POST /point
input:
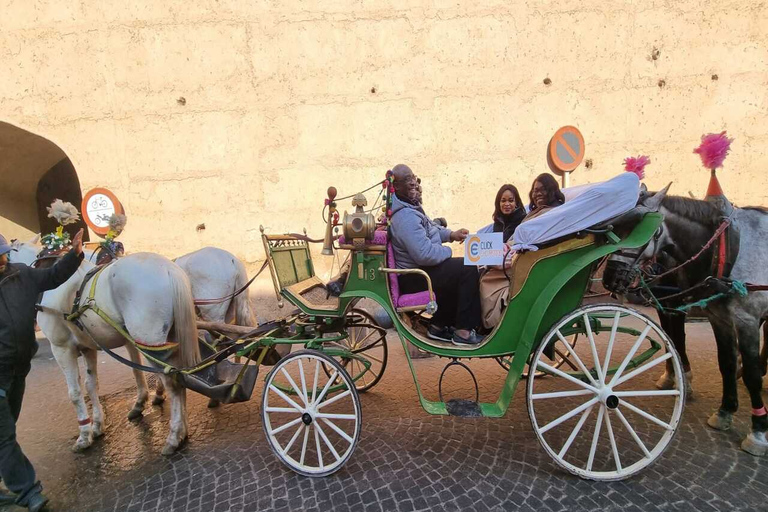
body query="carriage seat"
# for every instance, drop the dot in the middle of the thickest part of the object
(411, 301)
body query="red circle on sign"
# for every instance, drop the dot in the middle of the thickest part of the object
(102, 229)
(566, 149)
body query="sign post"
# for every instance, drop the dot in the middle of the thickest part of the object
(98, 206)
(566, 151)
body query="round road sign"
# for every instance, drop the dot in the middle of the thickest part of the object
(566, 149)
(98, 206)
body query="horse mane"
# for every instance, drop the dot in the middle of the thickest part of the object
(761, 209)
(695, 209)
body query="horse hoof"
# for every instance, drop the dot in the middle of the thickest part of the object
(135, 414)
(98, 429)
(81, 445)
(158, 400)
(666, 381)
(755, 444)
(169, 450)
(719, 421)
(212, 403)
(689, 385)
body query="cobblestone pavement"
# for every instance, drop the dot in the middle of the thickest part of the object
(406, 459)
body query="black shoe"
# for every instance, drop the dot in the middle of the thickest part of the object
(472, 339)
(440, 333)
(37, 502)
(6, 498)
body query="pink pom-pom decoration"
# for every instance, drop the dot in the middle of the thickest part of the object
(713, 149)
(636, 165)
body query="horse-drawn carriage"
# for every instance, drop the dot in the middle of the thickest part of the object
(592, 405)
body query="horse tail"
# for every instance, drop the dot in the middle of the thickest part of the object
(184, 318)
(244, 314)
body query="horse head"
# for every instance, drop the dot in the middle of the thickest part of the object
(24, 252)
(623, 267)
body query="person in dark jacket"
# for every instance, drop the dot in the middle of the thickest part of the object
(508, 211)
(417, 242)
(20, 286)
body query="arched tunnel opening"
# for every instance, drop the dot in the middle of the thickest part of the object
(33, 172)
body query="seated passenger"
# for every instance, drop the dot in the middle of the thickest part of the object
(494, 284)
(545, 194)
(508, 211)
(417, 242)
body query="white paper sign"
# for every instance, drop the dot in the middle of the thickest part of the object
(484, 249)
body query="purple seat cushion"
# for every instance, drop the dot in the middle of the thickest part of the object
(379, 238)
(409, 299)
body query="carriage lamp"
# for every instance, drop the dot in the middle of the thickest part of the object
(328, 240)
(359, 226)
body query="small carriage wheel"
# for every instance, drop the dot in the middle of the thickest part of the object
(562, 358)
(312, 421)
(370, 344)
(606, 421)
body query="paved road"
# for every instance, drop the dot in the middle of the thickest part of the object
(406, 460)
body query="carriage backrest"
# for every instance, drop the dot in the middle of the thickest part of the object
(290, 259)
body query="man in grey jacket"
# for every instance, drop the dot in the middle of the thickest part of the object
(19, 288)
(417, 242)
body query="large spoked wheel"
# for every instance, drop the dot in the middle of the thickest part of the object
(606, 420)
(367, 340)
(312, 421)
(560, 360)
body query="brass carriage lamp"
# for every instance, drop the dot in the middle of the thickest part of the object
(360, 225)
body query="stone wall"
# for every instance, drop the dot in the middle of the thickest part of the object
(235, 113)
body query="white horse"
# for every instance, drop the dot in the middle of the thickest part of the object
(216, 273)
(147, 294)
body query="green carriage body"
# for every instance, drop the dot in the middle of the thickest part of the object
(546, 285)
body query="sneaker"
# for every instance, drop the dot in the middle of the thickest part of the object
(472, 339)
(37, 502)
(440, 333)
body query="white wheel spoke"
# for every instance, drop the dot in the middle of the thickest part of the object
(304, 446)
(581, 365)
(303, 382)
(293, 385)
(567, 416)
(653, 392)
(286, 397)
(631, 354)
(336, 416)
(609, 427)
(327, 387)
(562, 394)
(327, 441)
(550, 369)
(595, 437)
(284, 409)
(317, 447)
(334, 399)
(314, 386)
(609, 350)
(338, 430)
(284, 427)
(645, 415)
(638, 371)
(593, 348)
(633, 433)
(293, 439)
(575, 432)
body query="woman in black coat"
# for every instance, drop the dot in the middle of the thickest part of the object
(508, 211)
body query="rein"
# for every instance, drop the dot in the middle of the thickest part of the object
(719, 231)
(208, 302)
